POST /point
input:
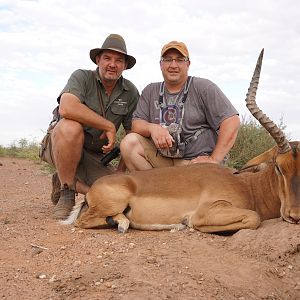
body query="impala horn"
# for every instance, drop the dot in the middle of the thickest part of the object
(276, 133)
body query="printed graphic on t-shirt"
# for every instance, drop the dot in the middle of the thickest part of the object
(170, 114)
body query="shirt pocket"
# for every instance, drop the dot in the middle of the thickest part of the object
(119, 107)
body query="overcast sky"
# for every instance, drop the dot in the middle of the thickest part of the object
(44, 41)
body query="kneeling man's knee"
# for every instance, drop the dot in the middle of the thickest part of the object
(129, 142)
(68, 130)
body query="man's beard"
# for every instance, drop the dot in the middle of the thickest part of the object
(110, 77)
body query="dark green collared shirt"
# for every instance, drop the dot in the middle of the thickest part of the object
(119, 106)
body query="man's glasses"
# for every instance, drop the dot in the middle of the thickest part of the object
(178, 60)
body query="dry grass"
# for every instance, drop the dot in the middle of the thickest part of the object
(251, 141)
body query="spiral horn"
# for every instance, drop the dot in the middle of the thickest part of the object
(276, 133)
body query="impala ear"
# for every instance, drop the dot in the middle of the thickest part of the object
(260, 159)
(253, 168)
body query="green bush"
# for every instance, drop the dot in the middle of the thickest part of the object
(21, 149)
(251, 141)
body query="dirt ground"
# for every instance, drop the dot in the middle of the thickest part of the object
(41, 259)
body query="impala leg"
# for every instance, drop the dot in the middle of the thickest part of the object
(90, 219)
(224, 217)
(107, 197)
(98, 216)
(122, 221)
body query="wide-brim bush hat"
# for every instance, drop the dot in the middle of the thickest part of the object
(116, 43)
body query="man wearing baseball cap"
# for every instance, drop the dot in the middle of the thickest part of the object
(92, 106)
(181, 120)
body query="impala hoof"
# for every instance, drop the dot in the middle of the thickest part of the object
(186, 221)
(123, 226)
(121, 230)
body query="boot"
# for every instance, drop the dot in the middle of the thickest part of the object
(65, 203)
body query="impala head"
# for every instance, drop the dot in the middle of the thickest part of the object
(287, 166)
(286, 158)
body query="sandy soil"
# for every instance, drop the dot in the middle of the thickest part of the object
(41, 259)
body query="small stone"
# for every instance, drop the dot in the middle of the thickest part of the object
(77, 263)
(36, 251)
(281, 274)
(151, 260)
(82, 288)
(108, 284)
(41, 276)
(131, 245)
(53, 279)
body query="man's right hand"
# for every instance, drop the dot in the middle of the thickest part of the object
(160, 136)
(110, 134)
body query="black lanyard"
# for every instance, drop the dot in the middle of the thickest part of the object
(185, 91)
(102, 109)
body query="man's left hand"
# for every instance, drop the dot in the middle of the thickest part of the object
(204, 159)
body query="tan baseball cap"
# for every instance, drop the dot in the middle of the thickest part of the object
(181, 47)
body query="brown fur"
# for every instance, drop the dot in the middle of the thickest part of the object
(207, 197)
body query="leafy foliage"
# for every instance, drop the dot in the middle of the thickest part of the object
(21, 149)
(251, 141)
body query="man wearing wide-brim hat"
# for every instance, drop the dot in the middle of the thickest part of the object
(92, 106)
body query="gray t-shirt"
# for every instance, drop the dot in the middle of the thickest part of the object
(206, 107)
